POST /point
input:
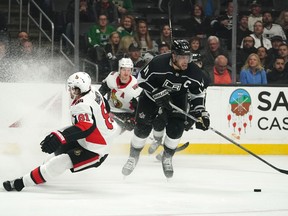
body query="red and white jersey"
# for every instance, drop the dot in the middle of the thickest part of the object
(89, 113)
(121, 94)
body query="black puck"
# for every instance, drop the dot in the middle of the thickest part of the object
(257, 190)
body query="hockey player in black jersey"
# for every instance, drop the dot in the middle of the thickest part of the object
(168, 78)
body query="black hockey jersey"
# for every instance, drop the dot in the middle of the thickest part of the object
(159, 73)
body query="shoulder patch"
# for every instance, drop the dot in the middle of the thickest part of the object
(79, 101)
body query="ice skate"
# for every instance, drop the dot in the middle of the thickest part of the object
(132, 161)
(16, 184)
(159, 156)
(129, 166)
(155, 145)
(167, 162)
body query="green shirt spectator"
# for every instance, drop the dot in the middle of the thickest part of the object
(98, 35)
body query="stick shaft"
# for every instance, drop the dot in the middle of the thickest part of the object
(230, 140)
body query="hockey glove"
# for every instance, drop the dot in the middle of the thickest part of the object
(162, 98)
(188, 124)
(203, 117)
(52, 142)
(130, 124)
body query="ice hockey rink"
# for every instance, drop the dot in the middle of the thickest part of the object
(202, 185)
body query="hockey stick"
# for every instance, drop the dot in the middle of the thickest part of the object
(232, 141)
(180, 148)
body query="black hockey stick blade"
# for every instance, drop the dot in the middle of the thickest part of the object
(182, 147)
(230, 140)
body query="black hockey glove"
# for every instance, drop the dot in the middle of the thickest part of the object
(130, 124)
(162, 98)
(203, 117)
(188, 124)
(52, 142)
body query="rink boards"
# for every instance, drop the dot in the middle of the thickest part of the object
(255, 117)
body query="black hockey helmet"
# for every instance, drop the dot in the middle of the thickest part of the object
(180, 47)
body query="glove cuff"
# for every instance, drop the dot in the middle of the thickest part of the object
(160, 93)
(60, 137)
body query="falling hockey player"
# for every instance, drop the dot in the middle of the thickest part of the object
(168, 78)
(78, 147)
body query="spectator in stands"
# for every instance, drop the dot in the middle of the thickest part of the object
(165, 35)
(98, 35)
(278, 75)
(276, 41)
(123, 6)
(106, 7)
(283, 52)
(163, 48)
(127, 26)
(211, 52)
(282, 20)
(23, 36)
(264, 58)
(111, 50)
(195, 44)
(211, 8)
(253, 72)
(125, 42)
(220, 73)
(177, 7)
(198, 25)
(242, 29)
(259, 38)
(243, 53)
(86, 14)
(3, 22)
(271, 29)
(142, 37)
(135, 56)
(222, 26)
(256, 15)
(27, 48)
(16, 45)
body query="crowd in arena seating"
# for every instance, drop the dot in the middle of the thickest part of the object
(121, 28)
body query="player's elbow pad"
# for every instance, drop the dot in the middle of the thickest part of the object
(74, 133)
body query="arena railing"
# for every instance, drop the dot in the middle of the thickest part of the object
(39, 24)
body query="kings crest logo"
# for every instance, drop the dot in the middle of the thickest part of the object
(239, 113)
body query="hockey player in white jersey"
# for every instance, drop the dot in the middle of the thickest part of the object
(83, 145)
(122, 93)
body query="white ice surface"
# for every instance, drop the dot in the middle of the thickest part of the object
(202, 185)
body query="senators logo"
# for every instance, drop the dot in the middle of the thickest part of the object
(117, 103)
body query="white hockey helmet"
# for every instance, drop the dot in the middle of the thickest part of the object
(126, 63)
(79, 80)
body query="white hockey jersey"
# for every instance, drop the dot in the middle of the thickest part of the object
(89, 113)
(121, 94)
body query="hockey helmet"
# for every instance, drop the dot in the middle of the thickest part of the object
(79, 80)
(125, 63)
(180, 47)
